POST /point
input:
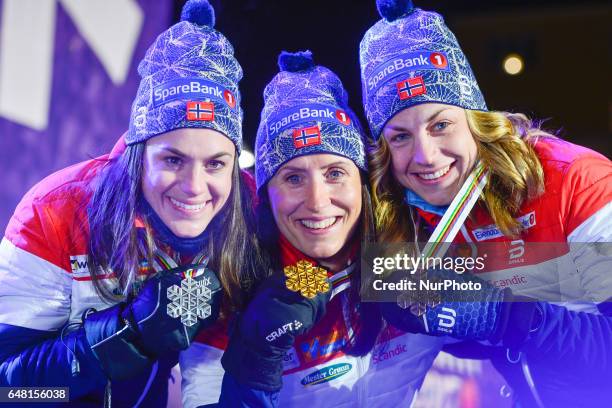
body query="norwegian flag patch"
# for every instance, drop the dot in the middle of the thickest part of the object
(308, 136)
(410, 87)
(200, 111)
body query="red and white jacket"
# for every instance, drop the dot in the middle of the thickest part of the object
(563, 257)
(549, 261)
(45, 282)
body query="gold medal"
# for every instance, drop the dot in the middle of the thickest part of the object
(306, 278)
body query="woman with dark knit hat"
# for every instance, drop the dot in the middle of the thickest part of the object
(306, 330)
(446, 169)
(110, 267)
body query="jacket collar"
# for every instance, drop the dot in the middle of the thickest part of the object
(415, 200)
(290, 255)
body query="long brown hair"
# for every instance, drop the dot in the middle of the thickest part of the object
(113, 242)
(505, 147)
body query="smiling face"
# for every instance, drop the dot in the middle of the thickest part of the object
(316, 203)
(432, 150)
(187, 177)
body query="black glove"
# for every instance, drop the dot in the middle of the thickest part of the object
(266, 331)
(127, 337)
(488, 313)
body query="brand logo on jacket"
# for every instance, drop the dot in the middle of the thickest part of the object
(290, 360)
(326, 374)
(317, 349)
(492, 232)
(385, 354)
(516, 252)
(281, 331)
(79, 266)
(446, 319)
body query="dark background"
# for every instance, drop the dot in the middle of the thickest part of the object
(566, 46)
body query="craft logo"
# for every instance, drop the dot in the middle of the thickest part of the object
(411, 87)
(201, 111)
(407, 63)
(326, 374)
(79, 266)
(308, 136)
(491, 231)
(281, 331)
(188, 88)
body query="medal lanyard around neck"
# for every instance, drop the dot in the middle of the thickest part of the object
(164, 262)
(457, 212)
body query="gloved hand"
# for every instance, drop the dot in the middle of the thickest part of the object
(127, 336)
(488, 313)
(266, 331)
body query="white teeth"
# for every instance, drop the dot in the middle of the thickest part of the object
(195, 207)
(431, 176)
(318, 224)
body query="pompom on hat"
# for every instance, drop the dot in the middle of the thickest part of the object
(305, 112)
(410, 57)
(189, 80)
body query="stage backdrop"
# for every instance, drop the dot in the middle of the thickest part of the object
(67, 80)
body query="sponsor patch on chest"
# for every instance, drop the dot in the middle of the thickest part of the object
(326, 374)
(79, 267)
(492, 231)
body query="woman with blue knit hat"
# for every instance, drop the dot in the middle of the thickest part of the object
(305, 330)
(446, 169)
(109, 268)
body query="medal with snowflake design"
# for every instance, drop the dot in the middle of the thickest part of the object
(306, 278)
(190, 301)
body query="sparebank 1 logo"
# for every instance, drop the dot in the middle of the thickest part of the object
(27, 36)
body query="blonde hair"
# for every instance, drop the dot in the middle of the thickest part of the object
(505, 147)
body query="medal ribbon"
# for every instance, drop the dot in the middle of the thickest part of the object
(457, 212)
(163, 262)
(341, 280)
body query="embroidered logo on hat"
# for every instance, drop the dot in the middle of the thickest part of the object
(306, 113)
(186, 87)
(308, 136)
(411, 87)
(229, 98)
(200, 111)
(405, 63)
(343, 117)
(438, 60)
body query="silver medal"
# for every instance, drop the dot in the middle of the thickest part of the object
(190, 301)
